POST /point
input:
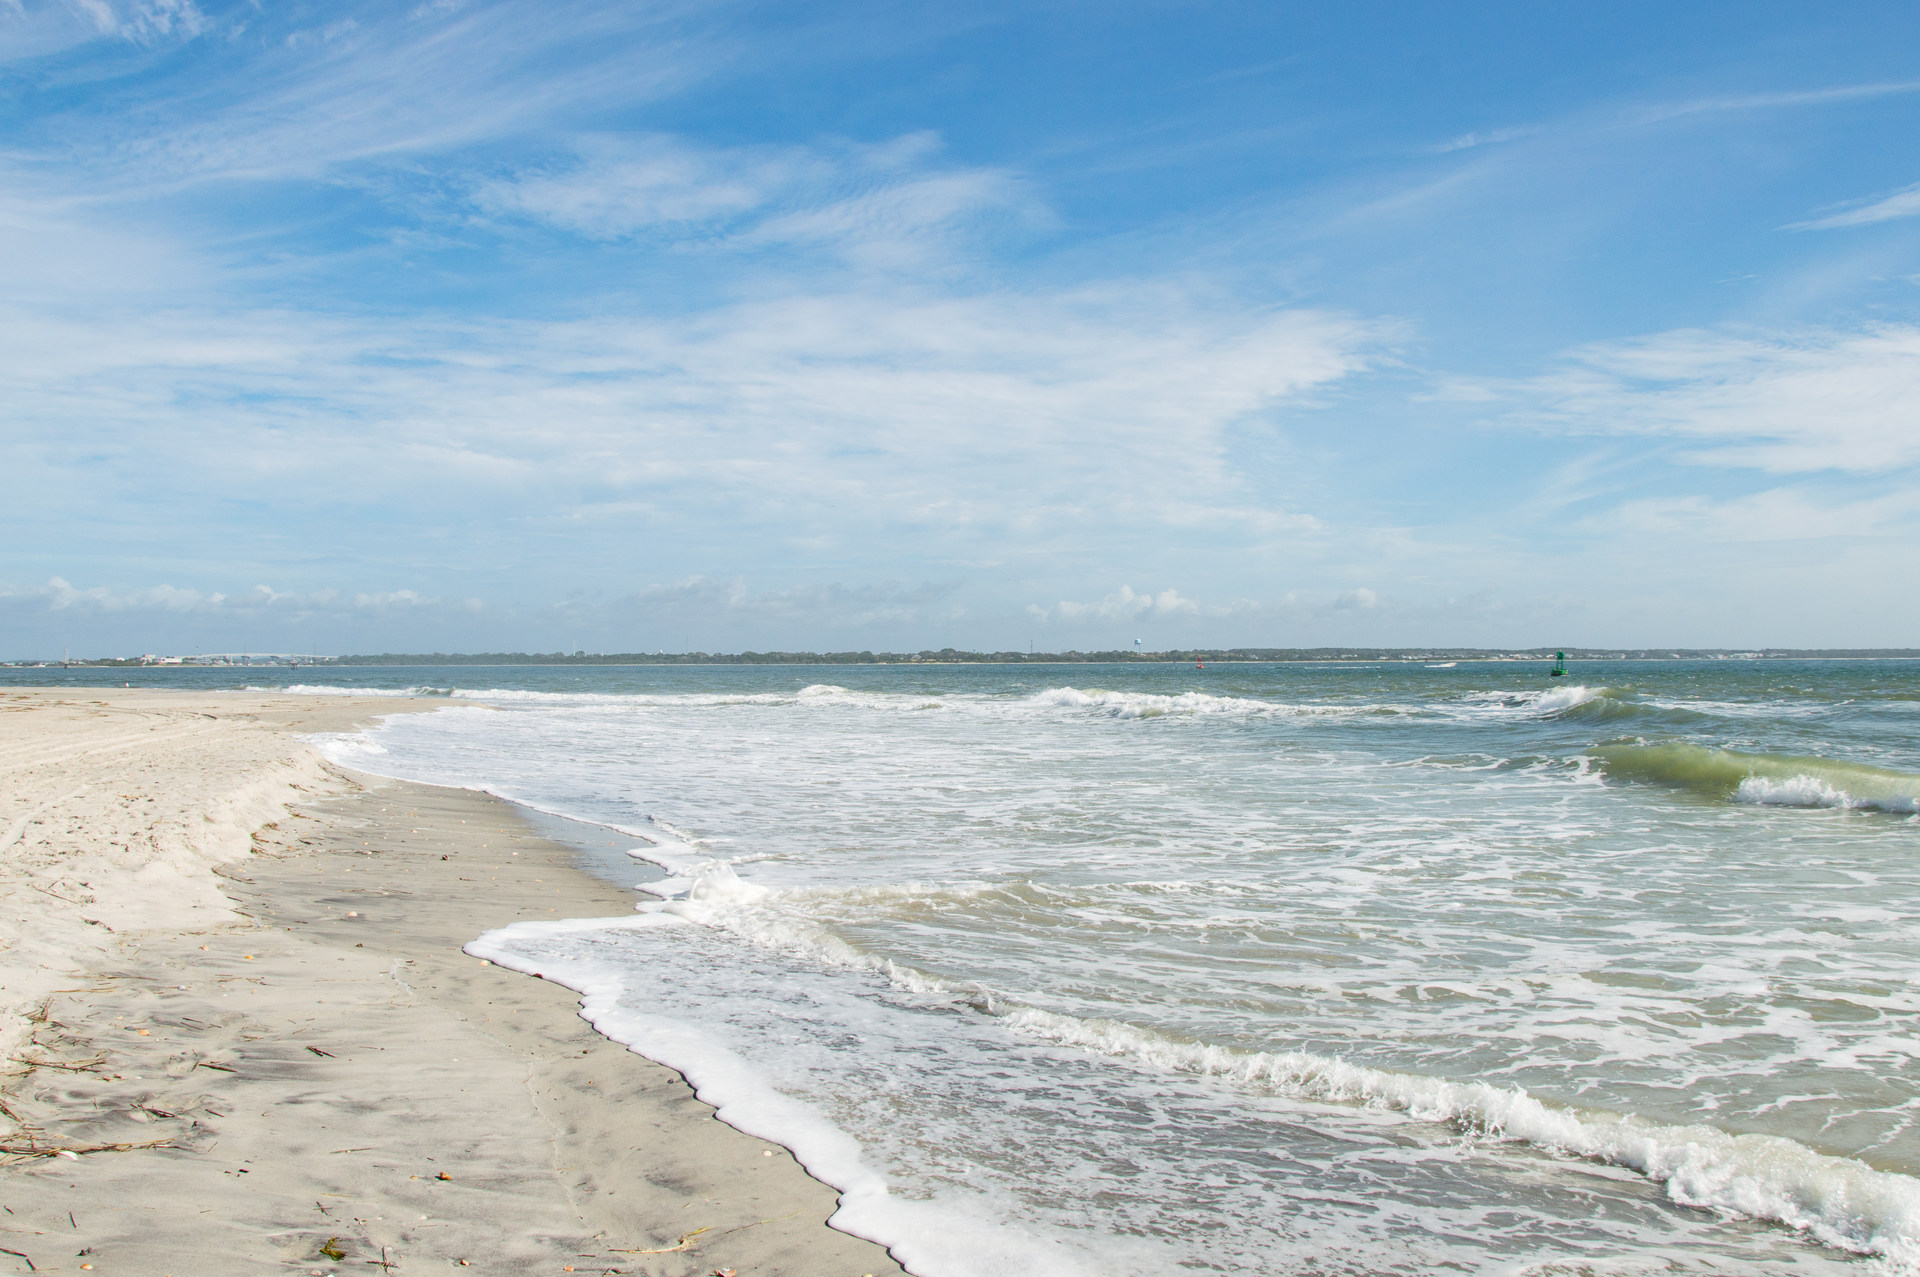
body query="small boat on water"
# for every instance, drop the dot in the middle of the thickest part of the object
(1559, 669)
(1443, 665)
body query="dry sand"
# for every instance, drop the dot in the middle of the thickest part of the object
(232, 991)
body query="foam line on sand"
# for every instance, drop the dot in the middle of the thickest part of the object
(241, 1035)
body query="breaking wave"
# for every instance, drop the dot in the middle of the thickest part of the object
(1788, 780)
(326, 689)
(1154, 704)
(1839, 1201)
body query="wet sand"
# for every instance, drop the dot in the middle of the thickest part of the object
(271, 1055)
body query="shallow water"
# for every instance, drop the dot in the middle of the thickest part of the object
(1301, 969)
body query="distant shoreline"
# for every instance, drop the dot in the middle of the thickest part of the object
(949, 656)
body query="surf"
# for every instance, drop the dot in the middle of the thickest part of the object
(1786, 780)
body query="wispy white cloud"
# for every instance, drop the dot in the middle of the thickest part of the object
(1902, 203)
(1777, 516)
(1491, 137)
(1786, 402)
(1642, 113)
(808, 414)
(870, 200)
(1775, 100)
(371, 86)
(613, 188)
(142, 21)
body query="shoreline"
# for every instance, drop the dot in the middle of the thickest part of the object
(126, 671)
(292, 1032)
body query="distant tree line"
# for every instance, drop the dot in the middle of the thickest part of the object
(954, 656)
(948, 655)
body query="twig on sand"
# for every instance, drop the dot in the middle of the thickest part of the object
(84, 1067)
(35, 1149)
(19, 1254)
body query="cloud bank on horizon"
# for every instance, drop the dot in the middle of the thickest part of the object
(626, 326)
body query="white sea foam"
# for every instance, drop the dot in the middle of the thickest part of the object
(927, 1238)
(1153, 704)
(1813, 791)
(1767, 709)
(348, 749)
(671, 854)
(692, 700)
(1840, 1201)
(1497, 923)
(815, 695)
(327, 689)
(1539, 703)
(1561, 699)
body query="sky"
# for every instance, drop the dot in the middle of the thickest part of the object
(468, 326)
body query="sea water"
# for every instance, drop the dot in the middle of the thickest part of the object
(1305, 969)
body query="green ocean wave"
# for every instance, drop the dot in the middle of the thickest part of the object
(1794, 780)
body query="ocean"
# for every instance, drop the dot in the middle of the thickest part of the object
(1292, 969)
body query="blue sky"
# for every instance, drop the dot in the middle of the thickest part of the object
(468, 326)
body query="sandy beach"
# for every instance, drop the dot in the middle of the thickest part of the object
(242, 1037)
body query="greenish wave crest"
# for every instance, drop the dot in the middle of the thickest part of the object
(1782, 779)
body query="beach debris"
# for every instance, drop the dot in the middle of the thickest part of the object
(723, 1272)
(443, 1175)
(18, 1254)
(331, 1249)
(34, 1149)
(317, 1051)
(73, 1066)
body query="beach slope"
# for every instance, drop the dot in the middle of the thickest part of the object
(242, 1036)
